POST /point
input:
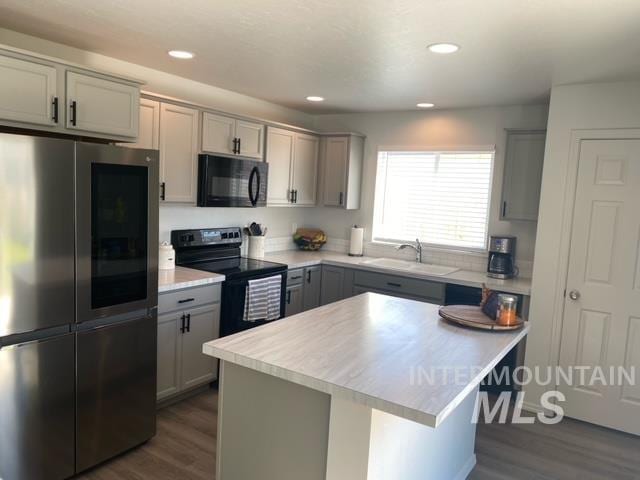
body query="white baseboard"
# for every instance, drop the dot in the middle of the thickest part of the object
(466, 469)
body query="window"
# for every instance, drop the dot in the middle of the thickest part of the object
(442, 198)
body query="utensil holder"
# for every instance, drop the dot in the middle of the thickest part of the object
(256, 247)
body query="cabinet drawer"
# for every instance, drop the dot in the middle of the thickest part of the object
(402, 285)
(294, 277)
(188, 298)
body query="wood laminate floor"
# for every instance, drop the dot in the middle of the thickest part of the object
(184, 449)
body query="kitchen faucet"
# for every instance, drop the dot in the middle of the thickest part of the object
(417, 247)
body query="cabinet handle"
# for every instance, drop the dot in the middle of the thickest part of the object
(309, 276)
(188, 322)
(186, 300)
(182, 325)
(504, 209)
(163, 191)
(295, 196)
(341, 197)
(288, 297)
(54, 103)
(74, 112)
(296, 277)
(393, 284)
(290, 195)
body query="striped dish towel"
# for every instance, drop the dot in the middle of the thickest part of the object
(262, 299)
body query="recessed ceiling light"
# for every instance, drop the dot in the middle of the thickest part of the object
(444, 48)
(314, 98)
(180, 54)
(425, 105)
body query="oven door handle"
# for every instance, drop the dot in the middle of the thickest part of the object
(255, 173)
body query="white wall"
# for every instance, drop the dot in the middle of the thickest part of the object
(459, 127)
(572, 108)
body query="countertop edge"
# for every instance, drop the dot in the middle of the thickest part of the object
(451, 278)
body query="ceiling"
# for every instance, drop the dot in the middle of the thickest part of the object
(361, 55)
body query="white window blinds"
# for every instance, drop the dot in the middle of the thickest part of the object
(442, 198)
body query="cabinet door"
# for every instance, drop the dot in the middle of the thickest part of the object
(332, 284)
(251, 137)
(522, 175)
(102, 106)
(203, 326)
(293, 300)
(305, 169)
(312, 281)
(335, 170)
(178, 152)
(218, 133)
(169, 354)
(27, 91)
(280, 150)
(148, 126)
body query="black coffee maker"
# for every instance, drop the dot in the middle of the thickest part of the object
(502, 257)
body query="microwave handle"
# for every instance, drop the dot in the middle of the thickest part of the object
(255, 172)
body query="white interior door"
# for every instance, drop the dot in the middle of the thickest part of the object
(601, 324)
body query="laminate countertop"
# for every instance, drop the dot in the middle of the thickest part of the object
(388, 353)
(299, 259)
(181, 277)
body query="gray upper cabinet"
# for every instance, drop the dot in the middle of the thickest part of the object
(101, 105)
(524, 157)
(28, 92)
(178, 153)
(312, 287)
(43, 94)
(230, 136)
(342, 159)
(293, 168)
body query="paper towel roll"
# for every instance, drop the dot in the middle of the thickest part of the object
(356, 245)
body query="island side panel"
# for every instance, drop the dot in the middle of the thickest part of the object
(269, 428)
(401, 448)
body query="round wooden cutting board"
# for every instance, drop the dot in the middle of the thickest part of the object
(473, 317)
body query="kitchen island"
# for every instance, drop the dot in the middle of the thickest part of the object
(371, 387)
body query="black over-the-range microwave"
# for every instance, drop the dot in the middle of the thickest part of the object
(231, 182)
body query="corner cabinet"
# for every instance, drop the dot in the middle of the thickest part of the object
(178, 153)
(230, 136)
(342, 158)
(187, 319)
(43, 94)
(293, 168)
(148, 126)
(524, 157)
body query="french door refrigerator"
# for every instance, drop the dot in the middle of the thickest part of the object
(78, 297)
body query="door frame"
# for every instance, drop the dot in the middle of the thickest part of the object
(568, 210)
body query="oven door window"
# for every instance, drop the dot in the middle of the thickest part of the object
(119, 244)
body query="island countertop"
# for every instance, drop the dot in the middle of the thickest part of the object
(374, 349)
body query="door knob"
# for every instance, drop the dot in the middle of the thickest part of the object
(574, 295)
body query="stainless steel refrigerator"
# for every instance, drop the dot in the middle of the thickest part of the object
(78, 304)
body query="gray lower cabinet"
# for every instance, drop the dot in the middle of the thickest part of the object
(337, 284)
(412, 288)
(293, 300)
(312, 287)
(181, 332)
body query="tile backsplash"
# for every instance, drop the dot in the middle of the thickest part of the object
(474, 261)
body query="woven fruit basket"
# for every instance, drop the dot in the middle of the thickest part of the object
(310, 239)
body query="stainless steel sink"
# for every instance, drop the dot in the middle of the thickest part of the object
(406, 266)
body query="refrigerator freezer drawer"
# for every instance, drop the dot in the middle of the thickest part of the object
(37, 409)
(116, 384)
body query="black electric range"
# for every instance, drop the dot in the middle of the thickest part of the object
(218, 250)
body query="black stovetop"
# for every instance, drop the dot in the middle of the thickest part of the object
(238, 267)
